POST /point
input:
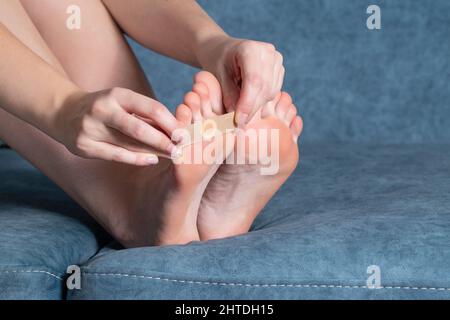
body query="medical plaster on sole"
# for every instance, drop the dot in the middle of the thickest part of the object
(209, 128)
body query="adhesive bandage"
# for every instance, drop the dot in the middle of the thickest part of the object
(208, 129)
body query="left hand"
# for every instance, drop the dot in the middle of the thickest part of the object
(251, 73)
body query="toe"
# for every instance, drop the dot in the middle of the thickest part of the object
(283, 105)
(290, 114)
(214, 89)
(269, 109)
(296, 127)
(193, 102)
(183, 114)
(205, 102)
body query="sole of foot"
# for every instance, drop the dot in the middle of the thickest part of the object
(239, 190)
(159, 204)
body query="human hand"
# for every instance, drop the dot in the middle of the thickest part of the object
(251, 73)
(110, 125)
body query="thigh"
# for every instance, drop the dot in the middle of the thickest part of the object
(96, 56)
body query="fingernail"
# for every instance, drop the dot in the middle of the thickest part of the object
(176, 153)
(152, 160)
(176, 137)
(170, 148)
(241, 119)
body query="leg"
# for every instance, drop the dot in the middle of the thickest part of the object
(139, 206)
(238, 192)
(95, 57)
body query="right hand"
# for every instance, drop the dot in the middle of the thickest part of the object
(109, 125)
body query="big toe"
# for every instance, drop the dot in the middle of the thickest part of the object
(214, 89)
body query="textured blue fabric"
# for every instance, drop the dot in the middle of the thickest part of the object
(42, 232)
(347, 207)
(351, 84)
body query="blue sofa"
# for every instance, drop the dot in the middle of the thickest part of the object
(371, 196)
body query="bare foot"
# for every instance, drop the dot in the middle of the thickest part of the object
(155, 205)
(238, 192)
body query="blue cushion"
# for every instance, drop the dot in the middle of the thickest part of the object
(346, 208)
(42, 232)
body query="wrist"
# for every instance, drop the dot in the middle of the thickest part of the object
(208, 46)
(57, 117)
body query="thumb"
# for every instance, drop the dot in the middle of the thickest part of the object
(230, 94)
(248, 101)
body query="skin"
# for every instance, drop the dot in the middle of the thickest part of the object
(251, 73)
(69, 124)
(91, 125)
(238, 192)
(115, 194)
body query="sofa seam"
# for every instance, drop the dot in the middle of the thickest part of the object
(261, 285)
(33, 271)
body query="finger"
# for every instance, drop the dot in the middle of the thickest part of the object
(230, 93)
(148, 108)
(273, 63)
(248, 101)
(257, 82)
(269, 74)
(142, 132)
(117, 138)
(251, 86)
(280, 78)
(109, 152)
(278, 66)
(275, 76)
